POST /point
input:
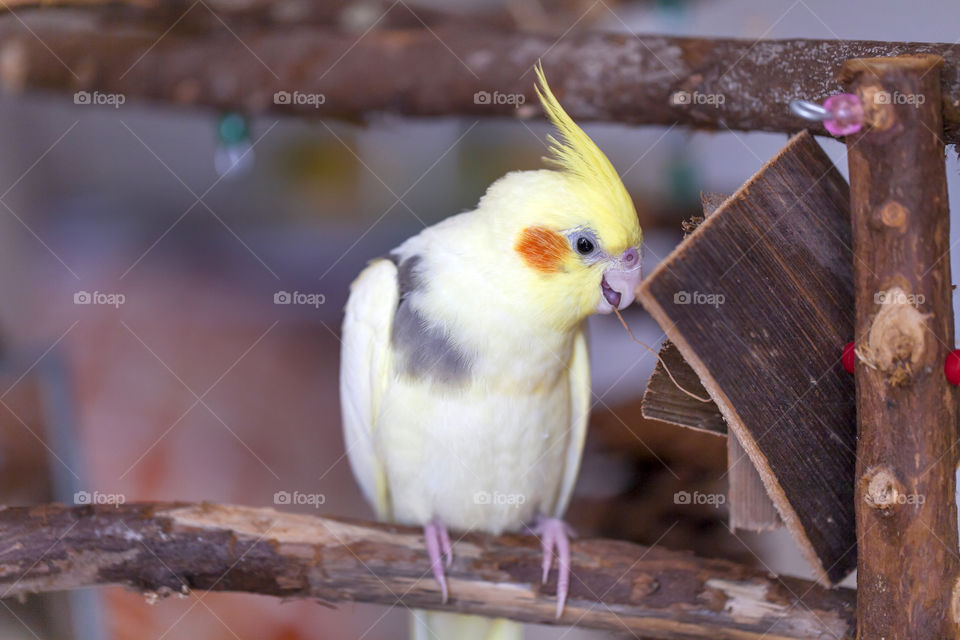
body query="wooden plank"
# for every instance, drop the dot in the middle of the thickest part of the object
(710, 201)
(907, 411)
(664, 401)
(759, 301)
(751, 507)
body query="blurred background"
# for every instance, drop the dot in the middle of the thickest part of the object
(145, 354)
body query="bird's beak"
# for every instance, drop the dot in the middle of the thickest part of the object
(619, 282)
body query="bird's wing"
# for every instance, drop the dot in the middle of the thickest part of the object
(364, 373)
(579, 414)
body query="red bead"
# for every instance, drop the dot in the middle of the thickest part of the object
(850, 357)
(951, 367)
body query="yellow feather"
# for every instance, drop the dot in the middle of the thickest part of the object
(575, 154)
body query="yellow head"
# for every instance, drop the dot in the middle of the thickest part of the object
(573, 228)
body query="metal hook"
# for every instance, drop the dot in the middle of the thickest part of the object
(810, 110)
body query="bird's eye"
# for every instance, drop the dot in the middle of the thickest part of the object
(584, 245)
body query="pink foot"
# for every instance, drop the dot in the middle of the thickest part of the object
(438, 548)
(555, 536)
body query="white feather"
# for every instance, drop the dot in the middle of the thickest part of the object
(365, 373)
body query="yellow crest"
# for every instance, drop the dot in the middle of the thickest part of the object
(576, 155)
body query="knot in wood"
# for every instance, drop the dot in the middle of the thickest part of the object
(643, 586)
(894, 215)
(882, 490)
(896, 339)
(878, 110)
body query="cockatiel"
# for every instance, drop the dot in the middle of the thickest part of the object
(465, 380)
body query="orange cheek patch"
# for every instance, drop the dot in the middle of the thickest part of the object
(542, 249)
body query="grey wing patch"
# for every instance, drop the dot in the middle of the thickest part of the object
(423, 349)
(408, 280)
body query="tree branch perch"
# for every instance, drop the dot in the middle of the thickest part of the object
(169, 548)
(421, 72)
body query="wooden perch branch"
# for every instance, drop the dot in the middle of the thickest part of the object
(547, 16)
(173, 548)
(420, 72)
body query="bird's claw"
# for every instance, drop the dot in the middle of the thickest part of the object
(440, 552)
(555, 536)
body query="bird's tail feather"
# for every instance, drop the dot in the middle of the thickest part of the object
(434, 625)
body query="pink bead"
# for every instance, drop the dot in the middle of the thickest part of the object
(847, 114)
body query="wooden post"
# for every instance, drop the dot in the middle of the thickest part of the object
(906, 409)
